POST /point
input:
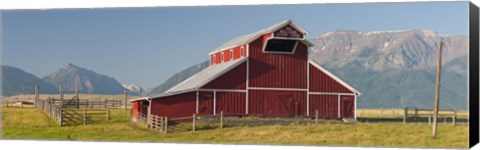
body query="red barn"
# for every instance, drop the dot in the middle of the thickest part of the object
(265, 73)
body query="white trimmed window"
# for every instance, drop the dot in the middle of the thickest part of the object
(222, 57)
(214, 59)
(231, 54)
(241, 51)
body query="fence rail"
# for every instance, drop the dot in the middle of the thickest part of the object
(72, 114)
(154, 122)
(414, 114)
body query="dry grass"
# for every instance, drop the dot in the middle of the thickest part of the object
(29, 123)
(398, 113)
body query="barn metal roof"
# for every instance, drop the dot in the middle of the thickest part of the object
(245, 39)
(203, 77)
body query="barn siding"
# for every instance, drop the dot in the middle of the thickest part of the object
(180, 105)
(277, 70)
(134, 111)
(321, 82)
(327, 105)
(269, 103)
(231, 103)
(233, 79)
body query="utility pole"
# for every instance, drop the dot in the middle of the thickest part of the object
(61, 95)
(37, 99)
(126, 98)
(437, 90)
(76, 95)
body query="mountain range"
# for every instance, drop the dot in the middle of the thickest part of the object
(16, 81)
(390, 68)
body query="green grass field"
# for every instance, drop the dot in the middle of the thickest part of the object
(30, 123)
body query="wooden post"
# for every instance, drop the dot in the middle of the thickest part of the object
(445, 120)
(429, 117)
(193, 122)
(405, 115)
(316, 116)
(36, 96)
(126, 98)
(163, 123)
(381, 112)
(416, 114)
(78, 99)
(84, 116)
(61, 116)
(166, 124)
(437, 90)
(61, 96)
(393, 113)
(454, 117)
(221, 119)
(107, 114)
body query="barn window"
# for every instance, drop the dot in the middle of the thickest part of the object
(231, 54)
(222, 57)
(281, 45)
(214, 60)
(241, 51)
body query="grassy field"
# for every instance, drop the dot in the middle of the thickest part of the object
(30, 123)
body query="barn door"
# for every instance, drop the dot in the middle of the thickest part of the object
(205, 103)
(144, 107)
(347, 106)
(280, 104)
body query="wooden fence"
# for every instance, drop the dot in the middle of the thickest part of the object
(154, 122)
(70, 115)
(413, 114)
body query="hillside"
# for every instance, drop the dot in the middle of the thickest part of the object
(16, 81)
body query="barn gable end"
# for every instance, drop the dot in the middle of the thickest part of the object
(321, 80)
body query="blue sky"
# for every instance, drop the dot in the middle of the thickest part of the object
(145, 46)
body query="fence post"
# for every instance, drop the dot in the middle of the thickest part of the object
(381, 112)
(405, 115)
(316, 116)
(84, 116)
(162, 124)
(416, 113)
(166, 124)
(429, 117)
(76, 95)
(393, 113)
(126, 98)
(445, 120)
(36, 96)
(61, 116)
(193, 122)
(221, 119)
(107, 114)
(454, 118)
